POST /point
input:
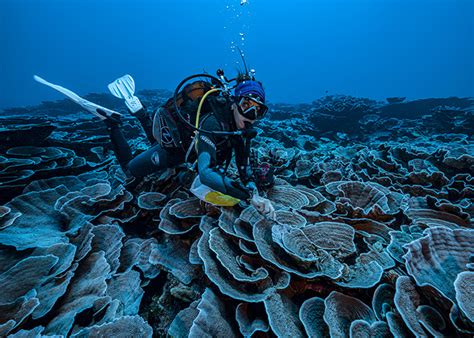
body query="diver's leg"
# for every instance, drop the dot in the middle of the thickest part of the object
(155, 159)
(146, 123)
(119, 144)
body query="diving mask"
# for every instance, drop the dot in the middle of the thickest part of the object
(252, 108)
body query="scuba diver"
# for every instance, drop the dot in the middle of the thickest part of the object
(224, 132)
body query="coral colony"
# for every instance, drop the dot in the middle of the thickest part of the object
(373, 234)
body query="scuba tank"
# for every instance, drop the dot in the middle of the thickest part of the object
(170, 127)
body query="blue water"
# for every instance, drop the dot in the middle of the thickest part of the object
(301, 49)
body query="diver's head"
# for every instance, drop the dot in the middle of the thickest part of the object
(249, 102)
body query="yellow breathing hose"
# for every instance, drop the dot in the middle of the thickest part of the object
(198, 115)
(202, 102)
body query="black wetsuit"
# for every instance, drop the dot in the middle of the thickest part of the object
(154, 159)
(214, 152)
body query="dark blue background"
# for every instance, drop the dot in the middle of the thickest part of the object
(300, 48)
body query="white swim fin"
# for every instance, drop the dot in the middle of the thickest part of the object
(124, 88)
(87, 105)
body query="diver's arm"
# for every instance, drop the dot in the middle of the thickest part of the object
(241, 160)
(217, 181)
(211, 177)
(243, 166)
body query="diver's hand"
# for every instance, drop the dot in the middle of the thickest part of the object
(263, 206)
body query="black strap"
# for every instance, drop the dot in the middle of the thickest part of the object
(227, 161)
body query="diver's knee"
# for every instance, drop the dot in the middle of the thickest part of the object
(146, 163)
(133, 169)
(155, 158)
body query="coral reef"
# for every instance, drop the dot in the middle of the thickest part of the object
(373, 235)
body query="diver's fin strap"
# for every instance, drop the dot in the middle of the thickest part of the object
(87, 105)
(133, 104)
(124, 88)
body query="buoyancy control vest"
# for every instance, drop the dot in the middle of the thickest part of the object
(168, 129)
